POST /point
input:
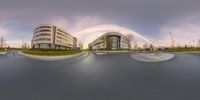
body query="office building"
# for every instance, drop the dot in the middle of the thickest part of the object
(110, 41)
(51, 37)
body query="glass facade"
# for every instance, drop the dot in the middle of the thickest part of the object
(113, 42)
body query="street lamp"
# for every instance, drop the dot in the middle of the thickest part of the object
(172, 40)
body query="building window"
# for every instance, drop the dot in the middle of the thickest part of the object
(43, 34)
(113, 42)
(42, 27)
(43, 39)
(44, 46)
(44, 30)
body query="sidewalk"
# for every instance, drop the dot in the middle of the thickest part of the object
(186, 52)
(152, 57)
(3, 52)
(52, 58)
(109, 52)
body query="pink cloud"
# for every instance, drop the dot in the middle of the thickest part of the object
(184, 31)
(3, 31)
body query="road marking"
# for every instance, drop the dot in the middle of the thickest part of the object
(14, 54)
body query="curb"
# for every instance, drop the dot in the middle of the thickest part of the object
(187, 52)
(52, 58)
(152, 58)
(3, 53)
(109, 52)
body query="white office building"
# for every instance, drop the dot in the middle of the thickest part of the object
(51, 37)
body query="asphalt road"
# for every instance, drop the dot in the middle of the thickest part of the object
(104, 77)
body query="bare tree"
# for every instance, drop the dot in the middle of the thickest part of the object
(198, 44)
(81, 45)
(145, 46)
(130, 38)
(25, 45)
(151, 47)
(135, 45)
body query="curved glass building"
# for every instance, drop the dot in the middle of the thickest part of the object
(110, 41)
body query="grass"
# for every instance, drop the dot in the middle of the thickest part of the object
(2, 49)
(51, 52)
(183, 49)
(113, 50)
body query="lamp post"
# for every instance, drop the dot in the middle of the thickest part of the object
(172, 40)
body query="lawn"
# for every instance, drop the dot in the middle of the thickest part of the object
(183, 49)
(51, 52)
(2, 49)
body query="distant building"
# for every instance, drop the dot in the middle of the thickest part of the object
(90, 46)
(74, 43)
(110, 41)
(51, 37)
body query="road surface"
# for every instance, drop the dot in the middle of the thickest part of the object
(99, 77)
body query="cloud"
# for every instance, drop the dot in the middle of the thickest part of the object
(85, 22)
(90, 34)
(59, 21)
(145, 16)
(76, 24)
(85, 28)
(17, 43)
(185, 31)
(5, 19)
(4, 31)
(15, 31)
(8, 14)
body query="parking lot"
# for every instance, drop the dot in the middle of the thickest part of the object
(100, 77)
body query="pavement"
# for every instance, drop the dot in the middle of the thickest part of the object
(52, 58)
(3, 52)
(94, 77)
(152, 57)
(109, 52)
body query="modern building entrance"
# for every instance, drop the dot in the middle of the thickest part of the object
(113, 42)
(110, 41)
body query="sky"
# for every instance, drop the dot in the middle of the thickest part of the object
(153, 19)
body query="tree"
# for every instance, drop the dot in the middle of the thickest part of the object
(145, 46)
(90, 46)
(130, 38)
(25, 45)
(81, 45)
(135, 45)
(151, 47)
(186, 46)
(198, 44)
